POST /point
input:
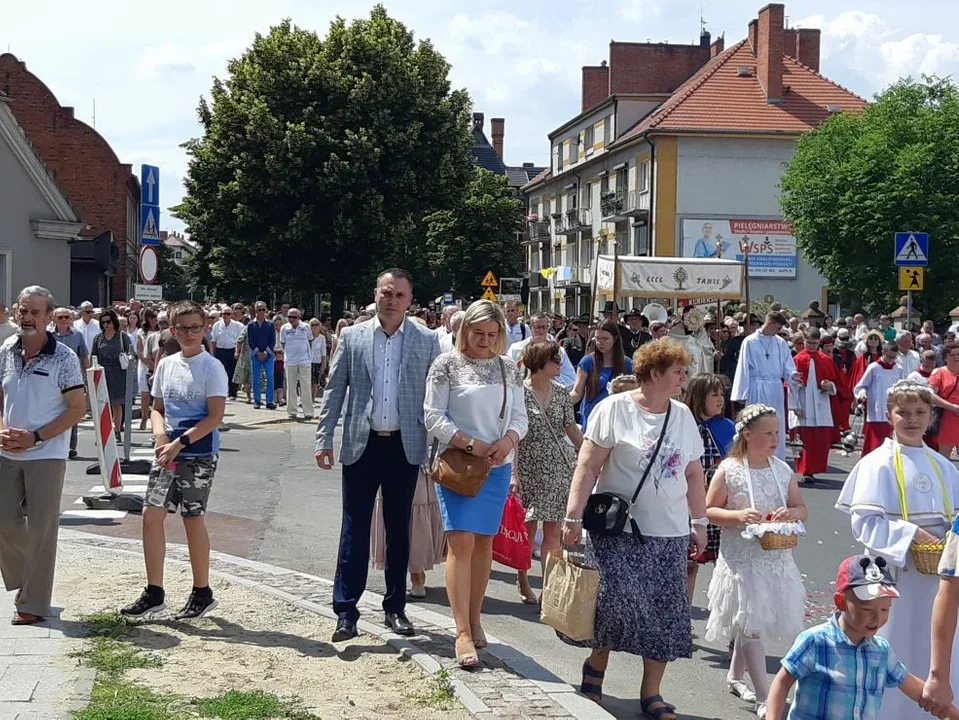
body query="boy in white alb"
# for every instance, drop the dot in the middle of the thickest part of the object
(871, 390)
(189, 396)
(899, 496)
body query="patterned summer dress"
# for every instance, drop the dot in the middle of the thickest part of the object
(545, 457)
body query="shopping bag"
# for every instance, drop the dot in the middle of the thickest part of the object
(512, 546)
(569, 596)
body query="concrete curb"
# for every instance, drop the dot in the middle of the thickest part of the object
(525, 667)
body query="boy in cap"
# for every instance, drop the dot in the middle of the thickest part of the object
(842, 666)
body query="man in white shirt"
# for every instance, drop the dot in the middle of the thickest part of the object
(446, 321)
(295, 337)
(908, 359)
(87, 325)
(539, 326)
(448, 340)
(7, 326)
(226, 331)
(862, 327)
(516, 329)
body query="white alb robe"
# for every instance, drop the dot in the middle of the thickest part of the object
(871, 499)
(813, 402)
(760, 379)
(874, 385)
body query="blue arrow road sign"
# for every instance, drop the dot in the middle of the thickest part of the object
(149, 185)
(912, 249)
(149, 225)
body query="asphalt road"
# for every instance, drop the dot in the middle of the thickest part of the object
(271, 503)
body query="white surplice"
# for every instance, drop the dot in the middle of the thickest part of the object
(874, 384)
(765, 362)
(813, 402)
(871, 499)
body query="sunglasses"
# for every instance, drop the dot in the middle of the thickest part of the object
(64, 317)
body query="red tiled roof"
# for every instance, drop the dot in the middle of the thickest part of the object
(718, 99)
(539, 178)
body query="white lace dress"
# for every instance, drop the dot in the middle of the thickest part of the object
(759, 592)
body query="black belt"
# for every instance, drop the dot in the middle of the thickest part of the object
(384, 433)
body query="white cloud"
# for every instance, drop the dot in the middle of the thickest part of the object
(637, 10)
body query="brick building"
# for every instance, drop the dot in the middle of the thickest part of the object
(678, 152)
(103, 190)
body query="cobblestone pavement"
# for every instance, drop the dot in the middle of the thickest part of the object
(509, 685)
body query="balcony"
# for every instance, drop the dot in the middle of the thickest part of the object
(573, 221)
(538, 232)
(622, 205)
(536, 280)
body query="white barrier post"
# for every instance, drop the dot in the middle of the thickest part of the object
(106, 443)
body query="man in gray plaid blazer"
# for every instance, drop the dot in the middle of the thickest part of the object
(383, 363)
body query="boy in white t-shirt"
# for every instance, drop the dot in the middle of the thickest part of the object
(189, 397)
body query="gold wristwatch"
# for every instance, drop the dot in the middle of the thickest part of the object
(469, 446)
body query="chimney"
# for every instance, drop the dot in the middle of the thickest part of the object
(753, 25)
(769, 51)
(477, 122)
(807, 47)
(595, 85)
(718, 46)
(496, 125)
(704, 38)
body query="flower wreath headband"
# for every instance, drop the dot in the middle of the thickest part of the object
(907, 386)
(751, 414)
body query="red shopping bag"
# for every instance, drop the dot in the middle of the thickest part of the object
(512, 546)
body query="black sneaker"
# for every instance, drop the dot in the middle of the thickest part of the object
(148, 603)
(271, 406)
(257, 406)
(196, 607)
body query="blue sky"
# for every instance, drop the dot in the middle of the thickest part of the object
(146, 65)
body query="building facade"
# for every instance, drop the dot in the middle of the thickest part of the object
(678, 152)
(180, 247)
(103, 190)
(37, 223)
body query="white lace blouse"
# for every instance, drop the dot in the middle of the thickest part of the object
(466, 394)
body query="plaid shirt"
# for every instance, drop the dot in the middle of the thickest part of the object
(838, 680)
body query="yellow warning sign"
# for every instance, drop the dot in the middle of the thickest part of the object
(910, 278)
(489, 295)
(489, 281)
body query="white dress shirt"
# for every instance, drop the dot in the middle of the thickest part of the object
(567, 373)
(516, 333)
(387, 352)
(225, 335)
(89, 330)
(296, 343)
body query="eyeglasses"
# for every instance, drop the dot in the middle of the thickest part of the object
(189, 329)
(294, 317)
(63, 317)
(87, 312)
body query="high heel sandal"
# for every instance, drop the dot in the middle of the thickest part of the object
(592, 690)
(466, 658)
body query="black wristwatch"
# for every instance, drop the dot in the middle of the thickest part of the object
(36, 437)
(185, 440)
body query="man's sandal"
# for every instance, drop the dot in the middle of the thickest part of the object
(656, 713)
(592, 690)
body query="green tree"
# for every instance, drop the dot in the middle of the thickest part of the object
(320, 158)
(476, 236)
(859, 178)
(174, 278)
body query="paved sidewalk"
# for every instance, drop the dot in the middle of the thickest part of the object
(510, 684)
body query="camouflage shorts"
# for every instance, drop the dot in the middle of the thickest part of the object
(186, 487)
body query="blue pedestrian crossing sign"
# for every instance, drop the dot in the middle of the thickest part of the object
(149, 225)
(912, 249)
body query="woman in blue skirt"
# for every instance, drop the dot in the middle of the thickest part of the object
(475, 402)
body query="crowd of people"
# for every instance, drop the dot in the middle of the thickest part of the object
(678, 419)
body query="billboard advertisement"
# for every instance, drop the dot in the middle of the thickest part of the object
(772, 246)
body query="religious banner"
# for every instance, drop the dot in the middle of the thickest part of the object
(692, 278)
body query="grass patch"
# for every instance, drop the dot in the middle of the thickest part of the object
(253, 705)
(438, 694)
(114, 657)
(115, 700)
(109, 625)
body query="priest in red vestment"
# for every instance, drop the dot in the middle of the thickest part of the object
(811, 402)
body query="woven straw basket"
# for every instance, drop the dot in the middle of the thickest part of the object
(778, 541)
(927, 557)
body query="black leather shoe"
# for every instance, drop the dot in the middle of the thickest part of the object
(398, 623)
(345, 630)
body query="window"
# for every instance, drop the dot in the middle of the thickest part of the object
(545, 253)
(604, 186)
(642, 176)
(641, 240)
(587, 196)
(178, 255)
(621, 181)
(574, 150)
(588, 137)
(608, 130)
(570, 200)
(557, 158)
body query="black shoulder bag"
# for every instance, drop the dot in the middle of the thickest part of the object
(606, 512)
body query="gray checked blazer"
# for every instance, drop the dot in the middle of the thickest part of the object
(352, 367)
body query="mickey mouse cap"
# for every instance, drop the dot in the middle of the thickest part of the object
(868, 577)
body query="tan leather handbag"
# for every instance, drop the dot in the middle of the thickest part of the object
(456, 469)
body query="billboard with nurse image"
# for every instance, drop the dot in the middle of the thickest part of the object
(770, 243)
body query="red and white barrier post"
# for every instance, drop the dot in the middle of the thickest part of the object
(106, 442)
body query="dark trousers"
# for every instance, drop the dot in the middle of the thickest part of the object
(383, 464)
(228, 358)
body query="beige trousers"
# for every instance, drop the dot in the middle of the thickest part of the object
(301, 373)
(30, 492)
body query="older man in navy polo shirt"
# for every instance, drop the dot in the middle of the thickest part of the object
(41, 393)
